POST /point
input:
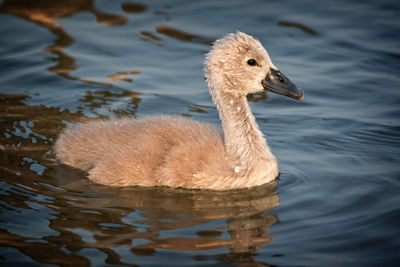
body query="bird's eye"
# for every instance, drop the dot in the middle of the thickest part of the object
(252, 62)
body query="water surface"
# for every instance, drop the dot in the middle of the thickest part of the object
(336, 202)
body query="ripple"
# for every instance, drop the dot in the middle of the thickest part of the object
(297, 25)
(134, 8)
(180, 35)
(336, 201)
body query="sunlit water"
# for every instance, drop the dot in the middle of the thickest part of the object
(336, 202)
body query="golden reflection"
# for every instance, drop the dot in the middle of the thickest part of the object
(122, 76)
(117, 78)
(135, 8)
(41, 252)
(148, 35)
(45, 13)
(87, 215)
(297, 25)
(175, 33)
(240, 213)
(27, 134)
(105, 99)
(180, 35)
(198, 108)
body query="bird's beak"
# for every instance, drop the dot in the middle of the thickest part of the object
(278, 83)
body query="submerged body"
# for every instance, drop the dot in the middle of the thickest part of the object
(179, 152)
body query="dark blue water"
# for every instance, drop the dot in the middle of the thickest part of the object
(336, 202)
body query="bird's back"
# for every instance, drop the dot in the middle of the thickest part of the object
(160, 150)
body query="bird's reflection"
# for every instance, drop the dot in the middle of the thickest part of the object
(239, 218)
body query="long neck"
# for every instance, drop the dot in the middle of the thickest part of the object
(243, 139)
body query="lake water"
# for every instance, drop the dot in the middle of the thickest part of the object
(336, 202)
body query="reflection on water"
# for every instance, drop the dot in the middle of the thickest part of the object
(149, 36)
(122, 76)
(45, 13)
(168, 209)
(28, 133)
(297, 25)
(338, 149)
(88, 216)
(95, 101)
(180, 35)
(133, 7)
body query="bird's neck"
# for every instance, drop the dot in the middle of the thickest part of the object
(243, 138)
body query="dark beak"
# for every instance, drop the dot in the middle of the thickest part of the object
(278, 83)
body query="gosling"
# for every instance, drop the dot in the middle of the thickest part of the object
(179, 152)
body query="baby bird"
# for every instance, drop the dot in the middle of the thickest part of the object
(179, 152)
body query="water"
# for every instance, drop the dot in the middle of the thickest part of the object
(336, 202)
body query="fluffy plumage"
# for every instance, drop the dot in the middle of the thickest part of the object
(179, 152)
